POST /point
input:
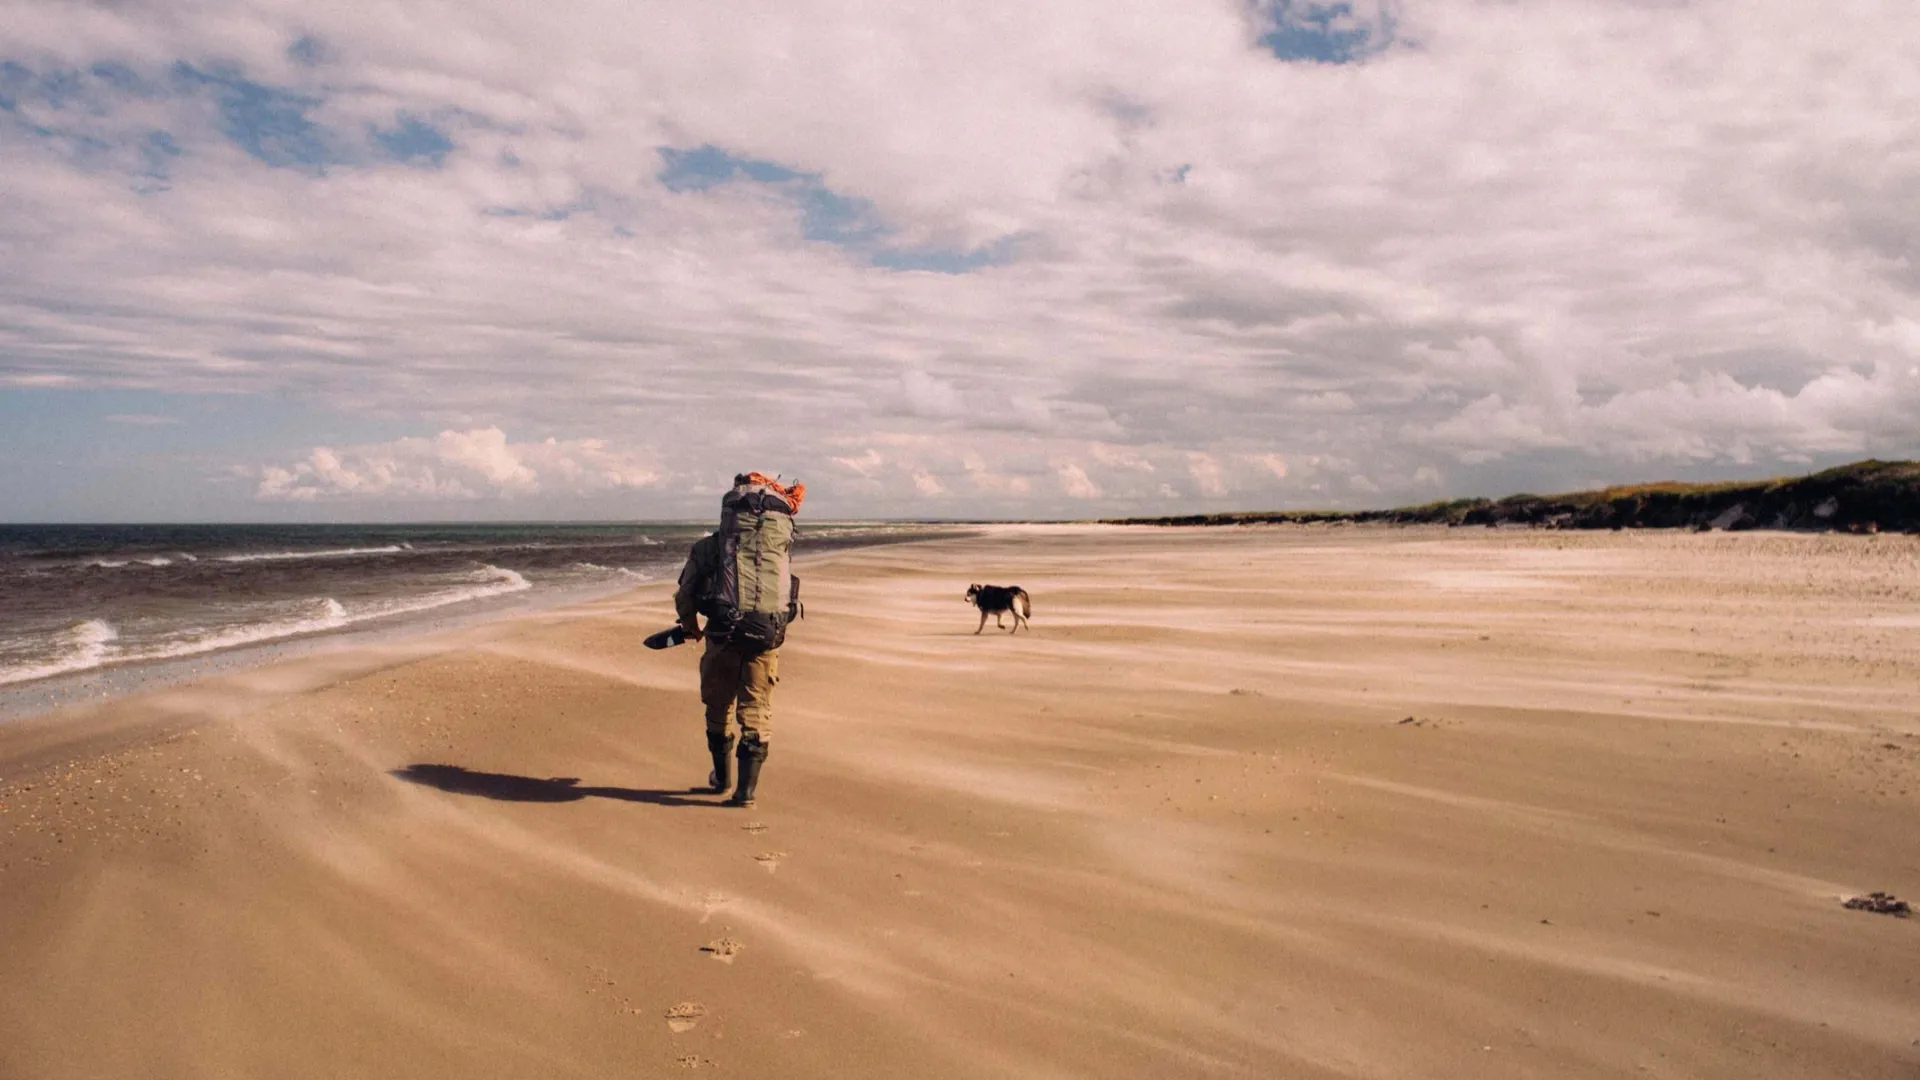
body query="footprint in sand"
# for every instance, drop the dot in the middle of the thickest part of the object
(770, 859)
(684, 1016)
(711, 903)
(723, 949)
(754, 827)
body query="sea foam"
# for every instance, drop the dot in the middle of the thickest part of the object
(324, 613)
(621, 570)
(330, 614)
(487, 581)
(84, 645)
(330, 553)
(91, 644)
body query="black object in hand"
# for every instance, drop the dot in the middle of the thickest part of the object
(666, 639)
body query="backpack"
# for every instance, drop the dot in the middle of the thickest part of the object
(755, 595)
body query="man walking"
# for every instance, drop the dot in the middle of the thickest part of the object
(738, 577)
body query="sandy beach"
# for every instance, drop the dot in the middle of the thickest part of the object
(1300, 802)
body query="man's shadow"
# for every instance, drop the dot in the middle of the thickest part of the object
(510, 788)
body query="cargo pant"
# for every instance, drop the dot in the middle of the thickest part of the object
(733, 683)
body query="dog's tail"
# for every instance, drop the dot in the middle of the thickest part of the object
(1026, 602)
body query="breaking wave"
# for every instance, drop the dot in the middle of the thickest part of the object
(95, 642)
(621, 570)
(325, 614)
(84, 646)
(487, 581)
(331, 553)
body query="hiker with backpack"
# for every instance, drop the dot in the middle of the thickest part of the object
(738, 578)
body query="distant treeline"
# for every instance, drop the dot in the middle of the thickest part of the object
(1867, 496)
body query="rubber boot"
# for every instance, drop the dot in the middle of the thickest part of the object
(721, 778)
(752, 753)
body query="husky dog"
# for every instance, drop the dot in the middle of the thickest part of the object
(999, 600)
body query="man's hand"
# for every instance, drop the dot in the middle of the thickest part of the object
(694, 633)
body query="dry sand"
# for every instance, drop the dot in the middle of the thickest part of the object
(1184, 828)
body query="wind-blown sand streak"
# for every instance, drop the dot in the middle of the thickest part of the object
(1306, 802)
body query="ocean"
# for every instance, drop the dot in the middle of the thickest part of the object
(76, 598)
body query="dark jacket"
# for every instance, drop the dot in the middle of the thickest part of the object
(696, 583)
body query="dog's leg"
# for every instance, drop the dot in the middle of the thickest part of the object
(999, 620)
(983, 621)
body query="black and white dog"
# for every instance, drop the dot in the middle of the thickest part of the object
(999, 600)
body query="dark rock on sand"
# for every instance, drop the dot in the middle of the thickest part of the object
(1881, 903)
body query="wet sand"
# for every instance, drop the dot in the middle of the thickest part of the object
(1304, 802)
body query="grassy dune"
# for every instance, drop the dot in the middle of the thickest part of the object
(1865, 496)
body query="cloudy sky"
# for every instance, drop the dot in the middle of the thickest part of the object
(276, 260)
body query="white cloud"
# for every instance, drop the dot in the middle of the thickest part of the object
(1627, 236)
(1273, 463)
(988, 482)
(1121, 457)
(1492, 426)
(1205, 470)
(927, 396)
(456, 465)
(1075, 482)
(865, 465)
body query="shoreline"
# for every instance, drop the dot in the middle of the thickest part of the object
(92, 686)
(36, 697)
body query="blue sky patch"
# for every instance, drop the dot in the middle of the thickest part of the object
(307, 51)
(68, 106)
(705, 167)
(79, 114)
(838, 219)
(1325, 33)
(125, 81)
(157, 152)
(56, 89)
(269, 123)
(413, 140)
(89, 454)
(847, 221)
(89, 92)
(13, 81)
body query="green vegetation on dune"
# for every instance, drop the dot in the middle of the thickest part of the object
(1865, 496)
